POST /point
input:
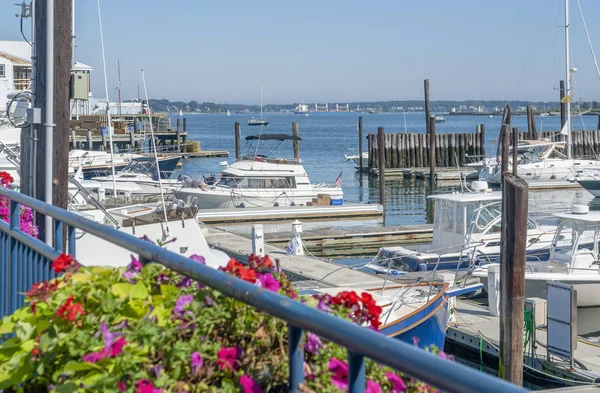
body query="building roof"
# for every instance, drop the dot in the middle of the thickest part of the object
(79, 66)
(16, 51)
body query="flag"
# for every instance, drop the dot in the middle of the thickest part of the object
(566, 99)
(338, 181)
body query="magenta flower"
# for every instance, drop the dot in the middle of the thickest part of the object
(180, 304)
(162, 278)
(228, 357)
(398, 385)
(121, 385)
(133, 268)
(111, 348)
(249, 384)
(146, 386)
(313, 343)
(198, 258)
(197, 361)
(324, 302)
(208, 301)
(269, 282)
(339, 369)
(156, 370)
(372, 387)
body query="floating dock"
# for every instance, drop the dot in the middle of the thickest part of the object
(357, 211)
(441, 174)
(356, 240)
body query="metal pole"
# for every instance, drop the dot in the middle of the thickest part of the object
(49, 124)
(427, 106)
(431, 135)
(515, 150)
(568, 81)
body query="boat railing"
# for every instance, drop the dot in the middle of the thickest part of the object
(27, 260)
(273, 160)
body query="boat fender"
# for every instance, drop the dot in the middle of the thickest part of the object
(422, 267)
(276, 204)
(242, 205)
(293, 203)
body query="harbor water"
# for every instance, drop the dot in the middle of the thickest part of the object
(327, 137)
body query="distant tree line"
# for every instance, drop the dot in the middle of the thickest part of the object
(164, 105)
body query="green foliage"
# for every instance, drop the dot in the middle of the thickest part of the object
(163, 320)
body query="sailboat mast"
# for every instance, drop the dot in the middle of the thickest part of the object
(568, 80)
(119, 85)
(261, 116)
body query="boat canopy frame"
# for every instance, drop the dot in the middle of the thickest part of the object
(256, 142)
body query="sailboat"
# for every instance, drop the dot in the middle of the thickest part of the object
(261, 121)
(180, 113)
(540, 163)
(228, 114)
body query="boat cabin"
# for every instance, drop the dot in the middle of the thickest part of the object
(143, 165)
(538, 150)
(575, 244)
(463, 218)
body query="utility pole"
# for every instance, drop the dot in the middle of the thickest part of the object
(53, 62)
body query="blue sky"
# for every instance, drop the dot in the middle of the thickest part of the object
(333, 51)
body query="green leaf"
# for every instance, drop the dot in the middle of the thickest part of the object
(24, 330)
(129, 291)
(81, 366)
(68, 387)
(7, 327)
(133, 309)
(169, 291)
(28, 345)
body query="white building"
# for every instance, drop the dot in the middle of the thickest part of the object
(15, 73)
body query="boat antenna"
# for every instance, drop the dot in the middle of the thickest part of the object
(110, 139)
(119, 85)
(568, 81)
(261, 100)
(162, 194)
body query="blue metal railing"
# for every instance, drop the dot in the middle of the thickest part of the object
(26, 255)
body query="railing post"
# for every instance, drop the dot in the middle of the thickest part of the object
(15, 225)
(58, 236)
(71, 239)
(296, 358)
(356, 372)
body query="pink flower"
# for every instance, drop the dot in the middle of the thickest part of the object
(269, 282)
(198, 258)
(111, 348)
(197, 361)
(121, 385)
(227, 357)
(145, 386)
(398, 385)
(339, 368)
(372, 387)
(313, 343)
(250, 385)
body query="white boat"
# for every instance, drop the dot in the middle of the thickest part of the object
(146, 220)
(301, 109)
(440, 119)
(228, 114)
(539, 162)
(180, 113)
(573, 260)
(590, 180)
(364, 157)
(544, 114)
(98, 159)
(143, 173)
(466, 232)
(260, 181)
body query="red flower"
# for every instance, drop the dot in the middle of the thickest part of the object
(35, 351)
(61, 263)
(238, 270)
(6, 178)
(247, 274)
(70, 310)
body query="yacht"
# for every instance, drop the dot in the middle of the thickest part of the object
(260, 181)
(590, 180)
(440, 119)
(98, 160)
(573, 259)
(539, 163)
(466, 231)
(144, 173)
(301, 109)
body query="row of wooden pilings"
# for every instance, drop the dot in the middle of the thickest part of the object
(407, 150)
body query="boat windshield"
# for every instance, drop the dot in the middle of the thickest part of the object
(573, 236)
(258, 182)
(487, 219)
(147, 167)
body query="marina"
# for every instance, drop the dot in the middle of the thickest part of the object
(303, 240)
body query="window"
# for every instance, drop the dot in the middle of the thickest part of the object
(2, 71)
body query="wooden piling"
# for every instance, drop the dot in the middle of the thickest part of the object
(427, 105)
(135, 131)
(178, 121)
(184, 124)
(515, 143)
(131, 140)
(73, 140)
(482, 141)
(103, 135)
(512, 276)
(296, 143)
(360, 144)
(431, 136)
(178, 136)
(237, 133)
(381, 142)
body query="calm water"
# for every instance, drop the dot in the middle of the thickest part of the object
(326, 137)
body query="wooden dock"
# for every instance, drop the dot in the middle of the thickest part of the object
(441, 174)
(474, 329)
(357, 211)
(353, 241)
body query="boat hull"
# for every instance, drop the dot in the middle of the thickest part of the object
(592, 186)
(166, 167)
(425, 327)
(551, 171)
(220, 197)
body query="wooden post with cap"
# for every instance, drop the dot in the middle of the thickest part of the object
(296, 142)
